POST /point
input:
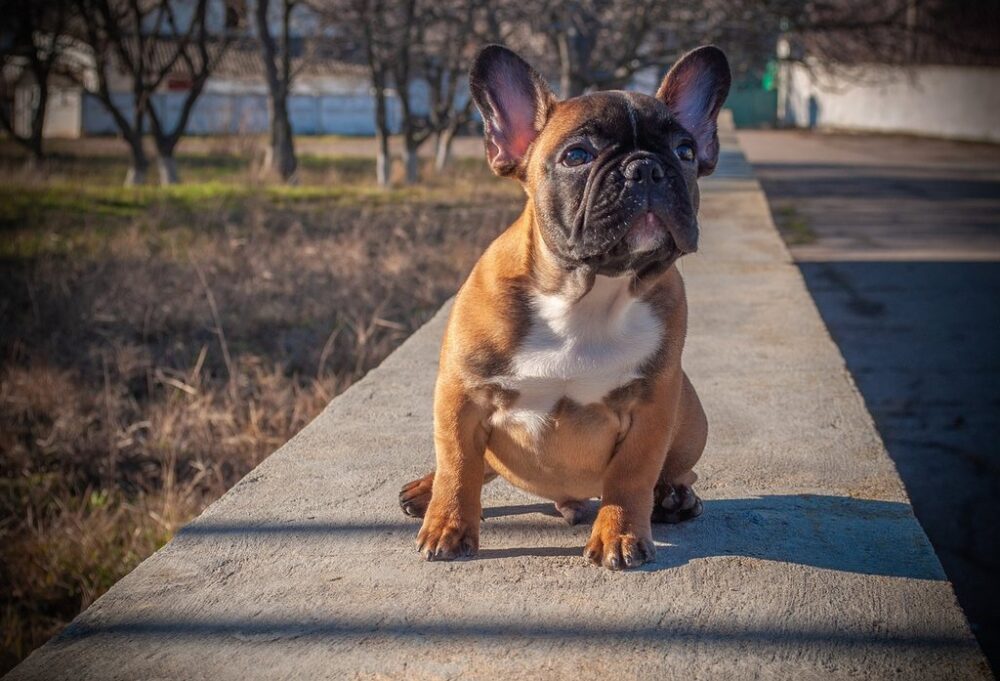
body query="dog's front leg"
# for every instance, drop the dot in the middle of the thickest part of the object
(622, 536)
(451, 524)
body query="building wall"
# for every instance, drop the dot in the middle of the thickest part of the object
(62, 115)
(955, 102)
(752, 107)
(232, 111)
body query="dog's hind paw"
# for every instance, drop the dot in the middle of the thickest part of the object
(416, 495)
(674, 504)
(573, 511)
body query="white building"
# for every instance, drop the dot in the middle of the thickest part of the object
(328, 97)
(956, 101)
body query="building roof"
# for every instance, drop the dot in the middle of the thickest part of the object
(310, 57)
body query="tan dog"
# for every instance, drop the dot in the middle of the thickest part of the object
(561, 365)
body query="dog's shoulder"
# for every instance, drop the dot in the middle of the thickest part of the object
(492, 310)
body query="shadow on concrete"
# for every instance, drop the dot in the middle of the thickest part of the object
(667, 630)
(922, 340)
(544, 508)
(822, 180)
(862, 536)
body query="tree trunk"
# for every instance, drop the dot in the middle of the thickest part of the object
(277, 71)
(572, 59)
(442, 153)
(166, 164)
(383, 162)
(136, 174)
(37, 153)
(282, 154)
(167, 167)
(565, 67)
(33, 163)
(411, 161)
(32, 142)
(38, 122)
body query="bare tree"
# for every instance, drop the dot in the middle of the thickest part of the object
(456, 30)
(37, 38)
(387, 30)
(899, 32)
(277, 57)
(147, 42)
(604, 44)
(432, 60)
(367, 16)
(407, 35)
(382, 33)
(598, 44)
(197, 56)
(103, 35)
(417, 53)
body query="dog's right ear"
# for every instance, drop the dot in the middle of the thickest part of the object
(514, 102)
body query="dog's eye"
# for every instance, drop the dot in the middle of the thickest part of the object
(576, 156)
(685, 152)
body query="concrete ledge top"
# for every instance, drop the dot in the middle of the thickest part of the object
(807, 563)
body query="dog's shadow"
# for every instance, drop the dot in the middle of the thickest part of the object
(862, 536)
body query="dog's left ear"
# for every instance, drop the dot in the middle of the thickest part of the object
(694, 91)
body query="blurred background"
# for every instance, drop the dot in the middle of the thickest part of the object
(215, 215)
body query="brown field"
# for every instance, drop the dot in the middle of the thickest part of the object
(156, 344)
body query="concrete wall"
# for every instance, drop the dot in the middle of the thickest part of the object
(941, 101)
(335, 104)
(236, 113)
(62, 115)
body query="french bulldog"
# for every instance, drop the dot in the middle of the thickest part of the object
(560, 369)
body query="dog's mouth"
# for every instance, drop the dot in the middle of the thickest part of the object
(646, 233)
(646, 246)
(651, 235)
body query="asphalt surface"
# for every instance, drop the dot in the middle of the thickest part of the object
(807, 562)
(899, 243)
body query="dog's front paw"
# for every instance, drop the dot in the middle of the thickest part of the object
(616, 545)
(446, 536)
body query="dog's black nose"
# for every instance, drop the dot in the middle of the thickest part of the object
(644, 171)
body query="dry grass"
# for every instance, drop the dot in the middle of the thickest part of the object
(156, 344)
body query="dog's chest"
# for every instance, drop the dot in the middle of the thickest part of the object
(579, 350)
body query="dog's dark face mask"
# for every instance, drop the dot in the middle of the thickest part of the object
(613, 175)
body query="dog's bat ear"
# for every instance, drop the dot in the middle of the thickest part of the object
(694, 91)
(514, 102)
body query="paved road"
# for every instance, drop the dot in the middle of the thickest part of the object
(899, 243)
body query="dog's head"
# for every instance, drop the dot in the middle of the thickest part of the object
(612, 175)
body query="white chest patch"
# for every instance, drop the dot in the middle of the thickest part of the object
(579, 349)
